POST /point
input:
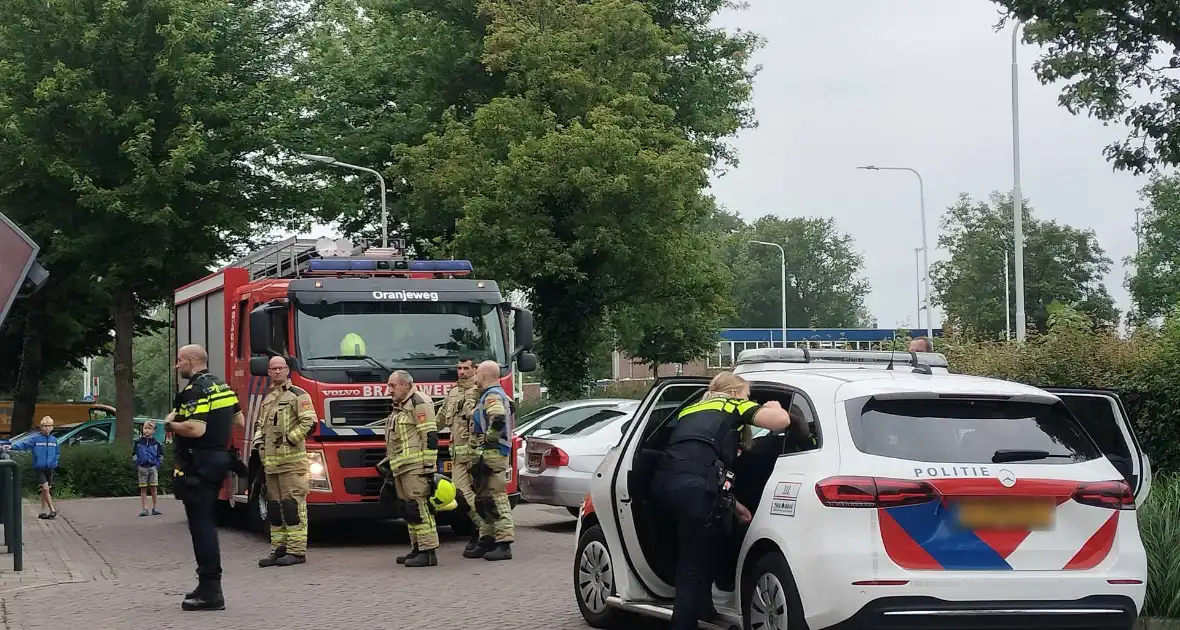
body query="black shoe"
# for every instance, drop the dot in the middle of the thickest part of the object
(405, 558)
(482, 546)
(502, 551)
(273, 558)
(290, 559)
(208, 596)
(423, 559)
(473, 543)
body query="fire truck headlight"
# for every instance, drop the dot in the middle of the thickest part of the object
(318, 472)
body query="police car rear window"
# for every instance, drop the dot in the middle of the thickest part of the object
(968, 431)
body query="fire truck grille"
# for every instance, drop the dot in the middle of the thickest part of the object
(359, 412)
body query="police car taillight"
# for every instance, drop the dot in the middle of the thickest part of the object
(873, 492)
(1115, 495)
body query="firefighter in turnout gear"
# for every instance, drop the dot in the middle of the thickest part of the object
(284, 420)
(411, 444)
(457, 410)
(492, 426)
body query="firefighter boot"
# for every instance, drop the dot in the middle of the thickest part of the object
(423, 559)
(413, 552)
(208, 596)
(472, 544)
(502, 551)
(274, 556)
(290, 559)
(485, 545)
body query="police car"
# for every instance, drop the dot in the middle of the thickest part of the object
(927, 500)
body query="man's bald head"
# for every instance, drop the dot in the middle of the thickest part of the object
(279, 370)
(487, 373)
(191, 359)
(921, 344)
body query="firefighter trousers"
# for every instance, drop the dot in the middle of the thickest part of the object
(412, 488)
(286, 508)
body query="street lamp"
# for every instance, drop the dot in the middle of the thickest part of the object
(918, 285)
(783, 252)
(331, 161)
(925, 247)
(1017, 199)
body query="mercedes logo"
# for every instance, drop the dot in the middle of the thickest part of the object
(1007, 478)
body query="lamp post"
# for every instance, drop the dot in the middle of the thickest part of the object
(782, 252)
(1007, 302)
(918, 285)
(331, 161)
(1017, 199)
(925, 246)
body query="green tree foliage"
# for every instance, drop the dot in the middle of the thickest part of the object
(1155, 283)
(825, 285)
(1120, 62)
(576, 176)
(1061, 263)
(142, 129)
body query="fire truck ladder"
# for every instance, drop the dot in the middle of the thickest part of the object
(285, 259)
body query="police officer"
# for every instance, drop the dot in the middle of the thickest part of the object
(206, 411)
(689, 483)
(457, 410)
(492, 425)
(284, 420)
(411, 444)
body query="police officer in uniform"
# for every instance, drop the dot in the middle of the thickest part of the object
(690, 484)
(411, 444)
(284, 420)
(457, 410)
(492, 425)
(206, 411)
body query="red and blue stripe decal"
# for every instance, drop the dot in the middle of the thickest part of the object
(928, 537)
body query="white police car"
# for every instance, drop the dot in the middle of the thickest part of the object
(929, 500)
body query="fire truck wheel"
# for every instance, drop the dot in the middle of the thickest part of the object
(257, 516)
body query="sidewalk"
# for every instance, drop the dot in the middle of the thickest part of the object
(55, 553)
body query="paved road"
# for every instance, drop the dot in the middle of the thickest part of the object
(350, 578)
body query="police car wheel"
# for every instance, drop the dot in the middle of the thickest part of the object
(594, 581)
(770, 600)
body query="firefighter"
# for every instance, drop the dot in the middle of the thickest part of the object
(457, 409)
(411, 444)
(205, 412)
(285, 419)
(492, 426)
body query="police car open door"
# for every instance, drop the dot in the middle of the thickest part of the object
(639, 535)
(1104, 417)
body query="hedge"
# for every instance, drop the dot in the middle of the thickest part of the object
(94, 470)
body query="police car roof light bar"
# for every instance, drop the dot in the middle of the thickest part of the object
(804, 355)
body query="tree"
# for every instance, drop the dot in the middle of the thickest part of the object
(141, 133)
(1107, 53)
(576, 177)
(1155, 283)
(1060, 263)
(825, 285)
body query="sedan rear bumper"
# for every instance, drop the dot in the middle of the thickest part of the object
(566, 489)
(1098, 612)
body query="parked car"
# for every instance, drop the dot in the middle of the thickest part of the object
(557, 417)
(559, 466)
(93, 432)
(928, 500)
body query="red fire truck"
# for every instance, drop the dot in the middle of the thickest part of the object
(345, 318)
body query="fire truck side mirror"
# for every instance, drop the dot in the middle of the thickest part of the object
(259, 366)
(260, 331)
(522, 330)
(526, 362)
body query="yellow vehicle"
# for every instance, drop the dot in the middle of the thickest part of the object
(62, 413)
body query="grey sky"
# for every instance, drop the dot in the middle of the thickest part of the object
(917, 83)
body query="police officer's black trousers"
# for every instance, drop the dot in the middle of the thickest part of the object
(200, 508)
(688, 499)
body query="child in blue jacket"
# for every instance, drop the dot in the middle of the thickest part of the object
(148, 457)
(45, 455)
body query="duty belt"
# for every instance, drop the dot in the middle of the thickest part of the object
(672, 463)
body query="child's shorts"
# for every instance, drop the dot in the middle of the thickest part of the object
(149, 476)
(44, 477)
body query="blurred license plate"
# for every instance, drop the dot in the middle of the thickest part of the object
(534, 460)
(447, 467)
(1028, 515)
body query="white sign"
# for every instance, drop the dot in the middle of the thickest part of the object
(787, 490)
(782, 508)
(406, 295)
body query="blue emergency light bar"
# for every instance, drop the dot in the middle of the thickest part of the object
(337, 265)
(441, 266)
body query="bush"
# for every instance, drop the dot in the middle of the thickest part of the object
(1159, 525)
(94, 470)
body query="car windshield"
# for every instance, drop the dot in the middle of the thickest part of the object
(399, 334)
(968, 431)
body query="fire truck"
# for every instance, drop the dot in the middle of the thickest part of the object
(345, 317)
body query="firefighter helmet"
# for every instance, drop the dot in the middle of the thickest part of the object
(352, 345)
(443, 498)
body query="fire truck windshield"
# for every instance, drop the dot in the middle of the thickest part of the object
(399, 334)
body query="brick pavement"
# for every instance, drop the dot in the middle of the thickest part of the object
(100, 566)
